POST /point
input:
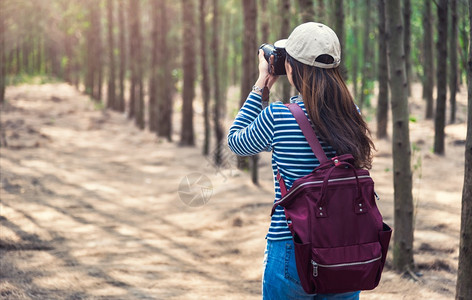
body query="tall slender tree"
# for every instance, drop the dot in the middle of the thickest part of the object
(382, 103)
(205, 78)
(307, 10)
(368, 60)
(136, 110)
(339, 29)
(464, 272)
(154, 67)
(265, 21)
(111, 57)
(440, 117)
(249, 64)
(93, 53)
(122, 45)
(407, 41)
(355, 48)
(428, 65)
(165, 98)
(402, 180)
(216, 87)
(453, 61)
(320, 12)
(188, 19)
(284, 32)
(3, 69)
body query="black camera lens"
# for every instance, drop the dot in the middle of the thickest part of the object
(278, 65)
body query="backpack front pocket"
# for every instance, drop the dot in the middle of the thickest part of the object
(346, 269)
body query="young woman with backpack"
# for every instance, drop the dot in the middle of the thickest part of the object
(313, 55)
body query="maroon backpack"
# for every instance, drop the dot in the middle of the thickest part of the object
(340, 239)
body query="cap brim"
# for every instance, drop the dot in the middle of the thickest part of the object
(281, 43)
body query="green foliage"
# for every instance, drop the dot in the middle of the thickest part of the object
(412, 119)
(24, 78)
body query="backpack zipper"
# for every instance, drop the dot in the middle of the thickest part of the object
(320, 181)
(316, 265)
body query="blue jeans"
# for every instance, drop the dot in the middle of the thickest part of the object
(280, 279)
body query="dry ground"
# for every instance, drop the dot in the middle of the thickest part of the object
(90, 208)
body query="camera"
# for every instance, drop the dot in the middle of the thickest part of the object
(278, 66)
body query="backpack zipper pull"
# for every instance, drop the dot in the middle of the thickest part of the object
(315, 268)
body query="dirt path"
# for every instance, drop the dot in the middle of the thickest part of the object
(90, 209)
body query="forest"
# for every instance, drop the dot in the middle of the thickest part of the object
(110, 108)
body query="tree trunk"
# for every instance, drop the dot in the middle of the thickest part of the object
(188, 19)
(321, 11)
(216, 87)
(205, 79)
(453, 61)
(402, 180)
(339, 29)
(464, 39)
(122, 28)
(136, 92)
(407, 41)
(382, 103)
(154, 68)
(284, 32)
(367, 61)
(3, 69)
(355, 50)
(249, 69)
(111, 58)
(92, 62)
(307, 11)
(428, 46)
(464, 272)
(440, 117)
(132, 58)
(265, 22)
(165, 98)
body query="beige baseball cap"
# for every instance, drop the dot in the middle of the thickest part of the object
(310, 40)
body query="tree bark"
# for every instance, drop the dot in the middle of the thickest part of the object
(136, 90)
(428, 45)
(407, 41)
(111, 58)
(339, 29)
(265, 21)
(165, 98)
(3, 69)
(464, 272)
(154, 68)
(382, 103)
(284, 32)
(205, 79)
(321, 12)
(122, 28)
(440, 117)
(307, 11)
(402, 179)
(188, 19)
(367, 61)
(216, 87)
(355, 50)
(453, 62)
(249, 69)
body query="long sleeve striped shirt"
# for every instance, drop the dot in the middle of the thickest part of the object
(275, 129)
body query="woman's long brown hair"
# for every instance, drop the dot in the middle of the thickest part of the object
(332, 110)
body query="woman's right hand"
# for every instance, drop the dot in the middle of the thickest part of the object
(264, 74)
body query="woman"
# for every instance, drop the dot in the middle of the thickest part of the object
(313, 56)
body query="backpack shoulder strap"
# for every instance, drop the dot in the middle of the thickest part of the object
(308, 131)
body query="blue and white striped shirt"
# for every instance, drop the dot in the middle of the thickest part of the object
(275, 129)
